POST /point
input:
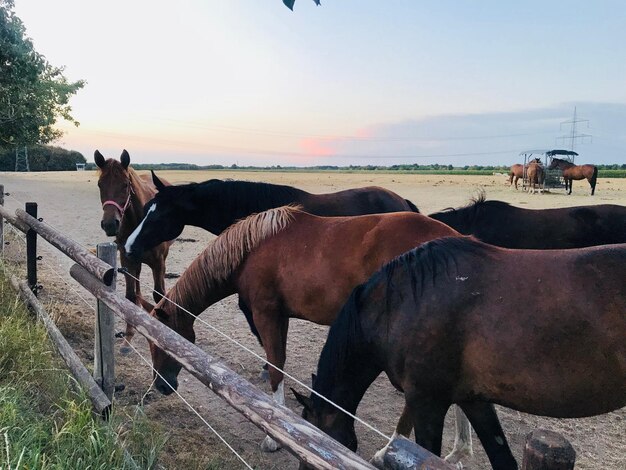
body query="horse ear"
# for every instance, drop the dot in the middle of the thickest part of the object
(156, 181)
(99, 159)
(304, 401)
(125, 159)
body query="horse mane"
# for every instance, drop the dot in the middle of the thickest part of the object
(223, 255)
(468, 213)
(233, 195)
(347, 339)
(430, 260)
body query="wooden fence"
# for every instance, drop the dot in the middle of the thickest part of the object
(544, 450)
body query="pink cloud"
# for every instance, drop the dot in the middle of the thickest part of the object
(317, 147)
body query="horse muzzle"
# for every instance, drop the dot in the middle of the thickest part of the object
(110, 227)
(166, 388)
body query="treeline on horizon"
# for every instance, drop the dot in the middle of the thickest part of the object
(51, 158)
(615, 170)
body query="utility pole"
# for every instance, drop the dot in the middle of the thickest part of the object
(574, 136)
(21, 159)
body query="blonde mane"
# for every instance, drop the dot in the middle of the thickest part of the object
(225, 254)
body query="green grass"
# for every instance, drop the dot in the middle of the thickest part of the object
(44, 423)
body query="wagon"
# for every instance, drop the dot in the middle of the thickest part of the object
(553, 179)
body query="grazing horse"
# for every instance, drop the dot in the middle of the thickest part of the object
(534, 175)
(575, 172)
(214, 205)
(517, 172)
(123, 194)
(321, 260)
(501, 224)
(453, 322)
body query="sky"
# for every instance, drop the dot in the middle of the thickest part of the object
(350, 82)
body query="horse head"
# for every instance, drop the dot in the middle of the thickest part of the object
(115, 190)
(162, 220)
(555, 163)
(166, 368)
(328, 419)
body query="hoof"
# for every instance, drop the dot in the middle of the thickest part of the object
(378, 460)
(457, 455)
(269, 445)
(264, 375)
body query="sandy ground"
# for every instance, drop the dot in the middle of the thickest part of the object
(70, 202)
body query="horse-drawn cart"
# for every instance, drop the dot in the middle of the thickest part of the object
(553, 178)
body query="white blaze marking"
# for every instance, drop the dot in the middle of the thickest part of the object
(133, 236)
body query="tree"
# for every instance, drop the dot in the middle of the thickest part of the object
(33, 93)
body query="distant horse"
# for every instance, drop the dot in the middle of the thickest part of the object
(534, 175)
(285, 263)
(453, 322)
(214, 205)
(501, 224)
(575, 172)
(123, 194)
(517, 172)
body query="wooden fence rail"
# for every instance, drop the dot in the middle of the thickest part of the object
(302, 439)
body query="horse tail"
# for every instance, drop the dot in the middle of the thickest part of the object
(593, 179)
(412, 206)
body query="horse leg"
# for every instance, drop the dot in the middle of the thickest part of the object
(403, 428)
(273, 329)
(516, 180)
(158, 275)
(463, 439)
(571, 181)
(133, 293)
(428, 415)
(485, 422)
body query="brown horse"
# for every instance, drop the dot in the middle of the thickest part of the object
(123, 194)
(575, 172)
(517, 172)
(285, 263)
(534, 175)
(453, 322)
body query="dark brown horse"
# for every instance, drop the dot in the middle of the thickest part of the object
(215, 205)
(123, 194)
(452, 322)
(575, 172)
(501, 224)
(517, 172)
(285, 263)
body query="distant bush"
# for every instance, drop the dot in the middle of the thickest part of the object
(44, 158)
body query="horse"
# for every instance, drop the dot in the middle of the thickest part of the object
(534, 175)
(214, 205)
(310, 279)
(452, 321)
(499, 223)
(575, 172)
(123, 194)
(517, 172)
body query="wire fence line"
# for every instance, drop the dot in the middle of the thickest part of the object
(144, 359)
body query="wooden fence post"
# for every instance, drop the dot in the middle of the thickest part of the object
(548, 450)
(31, 250)
(104, 362)
(1, 221)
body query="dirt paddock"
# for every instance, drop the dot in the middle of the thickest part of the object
(70, 202)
